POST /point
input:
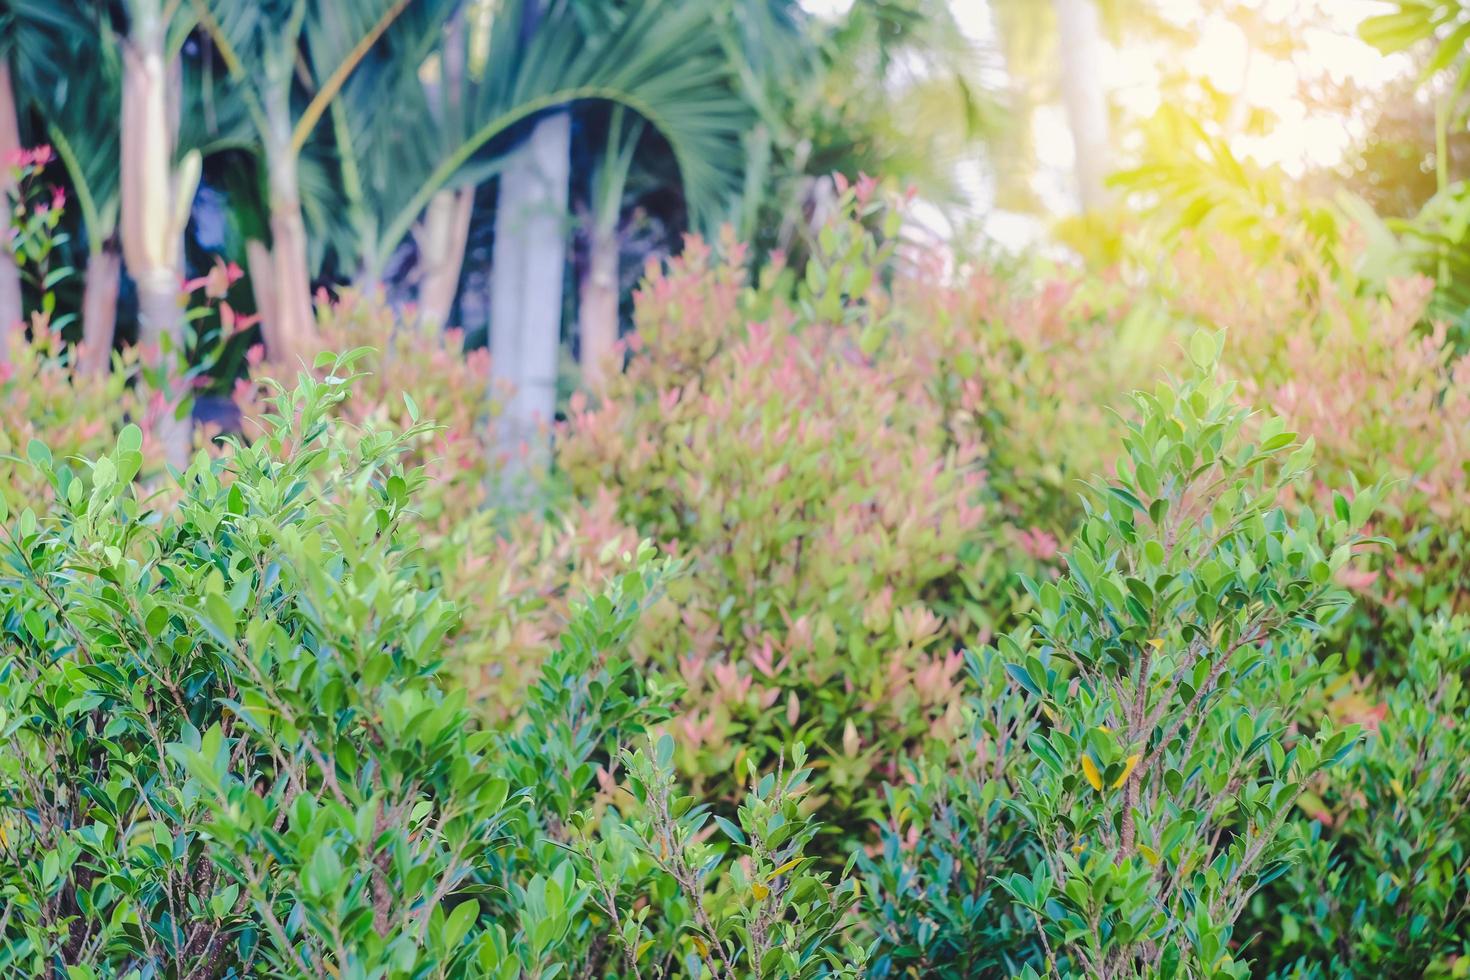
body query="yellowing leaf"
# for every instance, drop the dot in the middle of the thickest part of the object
(783, 869)
(1157, 643)
(761, 891)
(700, 945)
(1149, 854)
(1128, 768)
(643, 948)
(1089, 769)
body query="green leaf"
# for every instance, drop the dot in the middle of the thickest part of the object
(1203, 350)
(1018, 674)
(130, 439)
(457, 926)
(731, 831)
(39, 454)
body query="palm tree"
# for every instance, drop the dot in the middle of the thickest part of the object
(597, 305)
(935, 112)
(402, 142)
(261, 44)
(502, 81)
(156, 195)
(77, 86)
(443, 234)
(11, 313)
(1079, 44)
(80, 97)
(1055, 50)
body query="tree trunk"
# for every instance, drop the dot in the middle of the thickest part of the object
(441, 242)
(99, 310)
(1079, 43)
(1013, 159)
(259, 261)
(526, 288)
(290, 276)
(446, 227)
(12, 314)
(154, 209)
(160, 315)
(597, 309)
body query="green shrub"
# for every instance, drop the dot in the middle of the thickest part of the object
(1025, 362)
(42, 392)
(930, 895)
(1384, 397)
(750, 902)
(231, 748)
(1171, 660)
(42, 397)
(833, 520)
(227, 743)
(1383, 889)
(511, 576)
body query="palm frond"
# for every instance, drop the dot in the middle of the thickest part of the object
(663, 60)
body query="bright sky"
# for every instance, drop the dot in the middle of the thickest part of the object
(1224, 54)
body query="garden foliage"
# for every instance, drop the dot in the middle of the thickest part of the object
(1171, 660)
(904, 696)
(832, 518)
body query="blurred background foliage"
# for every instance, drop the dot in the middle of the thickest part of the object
(376, 141)
(828, 299)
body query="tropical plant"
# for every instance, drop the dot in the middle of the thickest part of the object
(1381, 888)
(1172, 659)
(260, 45)
(600, 291)
(798, 72)
(930, 892)
(662, 61)
(77, 86)
(838, 543)
(156, 193)
(1190, 180)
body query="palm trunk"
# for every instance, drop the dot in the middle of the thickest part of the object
(262, 284)
(290, 276)
(526, 288)
(1079, 40)
(99, 310)
(441, 252)
(446, 227)
(597, 309)
(1014, 156)
(160, 315)
(12, 314)
(154, 209)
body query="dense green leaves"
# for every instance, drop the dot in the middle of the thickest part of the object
(230, 750)
(1381, 886)
(1173, 660)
